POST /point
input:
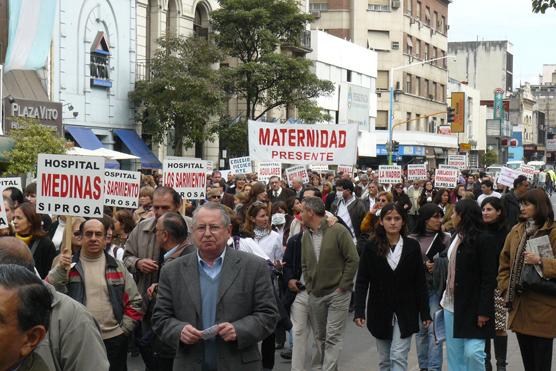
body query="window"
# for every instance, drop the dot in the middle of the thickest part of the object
(378, 8)
(418, 86)
(444, 62)
(408, 7)
(433, 95)
(427, 15)
(418, 10)
(443, 24)
(418, 48)
(348, 78)
(408, 83)
(408, 117)
(434, 55)
(409, 49)
(435, 20)
(395, 45)
(99, 66)
(382, 80)
(426, 88)
(426, 51)
(441, 95)
(381, 119)
(318, 7)
(418, 120)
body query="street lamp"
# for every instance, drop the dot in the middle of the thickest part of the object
(391, 89)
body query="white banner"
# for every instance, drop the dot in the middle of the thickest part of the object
(121, 188)
(297, 171)
(10, 182)
(303, 144)
(459, 161)
(268, 170)
(528, 171)
(507, 176)
(389, 174)
(551, 145)
(70, 185)
(345, 169)
(446, 178)
(241, 165)
(417, 172)
(354, 105)
(319, 168)
(187, 176)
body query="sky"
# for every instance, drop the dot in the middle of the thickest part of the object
(532, 35)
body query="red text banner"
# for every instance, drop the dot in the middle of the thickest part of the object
(303, 144)
(417, 172)
(299, 171)
(187, 176)
(266, 170)
(389, 174)
(121, 188)
(446, 178)
(70, 185)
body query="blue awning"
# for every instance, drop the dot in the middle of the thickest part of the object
(88, 140)
(138, 148)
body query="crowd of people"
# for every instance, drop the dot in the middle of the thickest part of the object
(223, 283)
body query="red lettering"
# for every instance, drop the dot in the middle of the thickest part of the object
(264, 136)
(46, 185)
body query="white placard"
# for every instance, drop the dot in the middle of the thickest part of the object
(417, 172)
(302, 144)
(70, 185)
(507, 176)
(267, 170)
(389, 174)
(121, 188)
(4, 223)
(297, 171)
(241, 165)
(209, 166)
(345, 169)
(551, 145)
(446, 178)
(528, 171)
(10, 182)
(187, 176)
(459, 161)
(444, 166)
(319, 168)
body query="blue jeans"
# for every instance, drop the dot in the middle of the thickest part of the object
(429, 354)
(463, 354)
(392, 354)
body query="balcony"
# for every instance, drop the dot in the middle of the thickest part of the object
(302, 46)
(143, 70)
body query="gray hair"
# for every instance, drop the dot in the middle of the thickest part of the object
(224, 216)
(315, 204)
(363, 177)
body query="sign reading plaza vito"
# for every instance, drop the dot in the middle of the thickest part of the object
(70, 185)
(47, 113)
(302, 144)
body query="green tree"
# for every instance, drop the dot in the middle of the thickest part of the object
(489, 157)
(182, 95)
(31, 139)
(252, 31)
(540, 6)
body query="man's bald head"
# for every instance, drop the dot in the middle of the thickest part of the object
(15, 251)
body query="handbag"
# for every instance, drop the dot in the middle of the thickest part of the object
(532, 281)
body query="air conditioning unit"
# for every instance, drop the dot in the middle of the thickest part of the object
(395, 4)
(395, 45)
(315, 13)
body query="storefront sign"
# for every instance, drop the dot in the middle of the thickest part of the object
(70, 185)
(417, 172)
(302, 144)
(389, 174)
(445, 178)
(187, 176)
(47, 113)
(121, 188)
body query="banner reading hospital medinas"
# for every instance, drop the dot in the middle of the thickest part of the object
(303, 144)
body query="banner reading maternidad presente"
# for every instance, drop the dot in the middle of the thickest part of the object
(186, 175)
(70, 185)
(121, 188)
(303, 144)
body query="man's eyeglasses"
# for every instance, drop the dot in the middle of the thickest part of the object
(213, 229)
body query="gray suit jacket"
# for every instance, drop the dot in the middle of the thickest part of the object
(245, 299)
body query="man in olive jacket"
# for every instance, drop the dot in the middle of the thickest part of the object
(329, 261)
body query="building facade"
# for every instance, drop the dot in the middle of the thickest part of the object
(485, 65)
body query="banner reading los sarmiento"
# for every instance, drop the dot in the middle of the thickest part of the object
(302, 144)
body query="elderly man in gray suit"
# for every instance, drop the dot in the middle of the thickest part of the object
(215, 304)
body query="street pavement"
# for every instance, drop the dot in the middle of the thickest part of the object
(360, 353)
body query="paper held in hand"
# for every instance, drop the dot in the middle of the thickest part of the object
(540, 246)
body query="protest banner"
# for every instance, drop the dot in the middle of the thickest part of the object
(303, 144)
(209, 166)
(507, 176)
(268, 170)
(444, 166)
(389, 174)
(345, 169)
(10, 182)
(121, 188)
(321, 169)
(70, 185)
(187, 176)
(297, 171)
(417, 172)
(528, 171)
(459, 161)
(241, 165)
(446, 178)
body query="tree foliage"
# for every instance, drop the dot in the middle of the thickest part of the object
(489, 157)
(183, 93)
(252, 31)
(540, 6)
(31, 139)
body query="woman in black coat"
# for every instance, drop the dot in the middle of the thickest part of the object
(392, 276)
(468, 300)
(401, 198)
